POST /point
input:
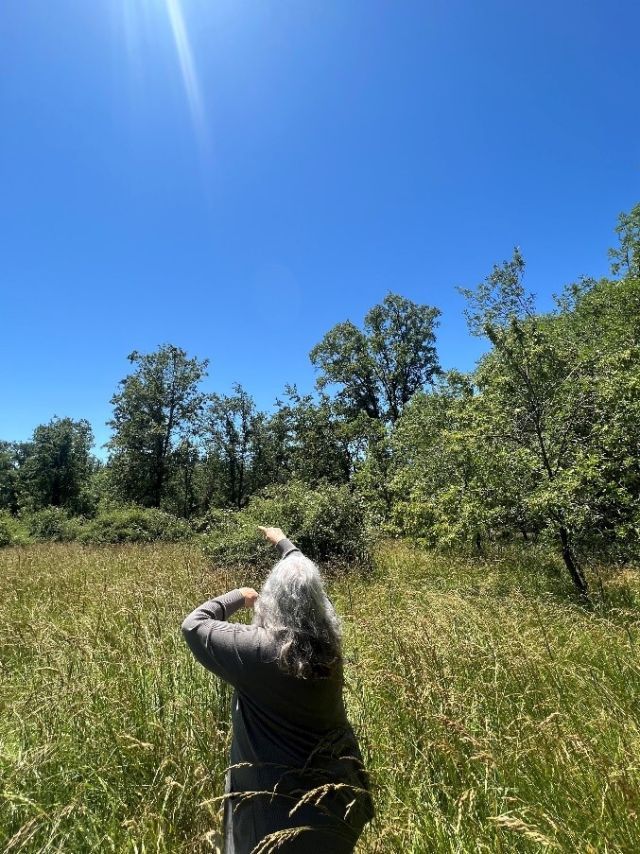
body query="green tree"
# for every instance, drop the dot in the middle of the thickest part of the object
(603, 321)
(313, 441)
(433, 466)
(533, 396)
(232, 426)
(9, 474)
(625, 258)
(379, 368)
(183, 499)
(58, 466)
(559, 394)
(155, 409)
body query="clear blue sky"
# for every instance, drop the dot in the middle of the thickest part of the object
(235, 177)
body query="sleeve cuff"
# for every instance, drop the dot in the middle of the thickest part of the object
(285, 547)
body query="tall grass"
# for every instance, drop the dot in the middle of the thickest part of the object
(495, 712)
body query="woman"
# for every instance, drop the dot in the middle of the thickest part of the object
(296, 781)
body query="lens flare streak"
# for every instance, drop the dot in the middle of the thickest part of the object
(187, 65)
(139, 19)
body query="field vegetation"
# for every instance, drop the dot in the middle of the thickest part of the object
(497, 710)
(480, 532)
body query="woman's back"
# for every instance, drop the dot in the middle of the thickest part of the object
(295, 737)
(302, 709)
(291, 736)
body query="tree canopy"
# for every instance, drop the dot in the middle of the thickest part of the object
(154, 409)
(380, 367)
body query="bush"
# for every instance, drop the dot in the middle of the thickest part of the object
(12, 531)
(53, 524)
(132, 524)
(327, 523)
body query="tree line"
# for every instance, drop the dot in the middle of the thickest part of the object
(541, 441)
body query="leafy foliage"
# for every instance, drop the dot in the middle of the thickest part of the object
(625, 258)
(154, 410)
(380, 367)
(135, 525)
(53, 524)
(233, 434)
(542, 440)
(9, 474)
(12, 531)
(314, 442)
(56, 466)
(327, 523)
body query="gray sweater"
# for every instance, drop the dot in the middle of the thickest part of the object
(289, 734)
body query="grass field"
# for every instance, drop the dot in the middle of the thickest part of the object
(494, 712)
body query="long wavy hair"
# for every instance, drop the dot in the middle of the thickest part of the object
(294, 609)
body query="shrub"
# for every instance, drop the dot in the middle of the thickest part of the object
(54, 524)
(12, 531)
(130, 524)
(327, 523)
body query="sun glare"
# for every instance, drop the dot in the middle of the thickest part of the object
(187, 66)
(138, 14)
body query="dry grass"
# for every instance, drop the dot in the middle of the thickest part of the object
(495, 713)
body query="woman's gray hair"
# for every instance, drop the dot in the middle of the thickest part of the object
(294, 609)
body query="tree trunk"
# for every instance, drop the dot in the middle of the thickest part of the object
(572, 564)
(158, 482)
(240, 485)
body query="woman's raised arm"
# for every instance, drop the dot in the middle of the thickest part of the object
(218, 645)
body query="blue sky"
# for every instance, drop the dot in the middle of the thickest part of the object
(236, 176)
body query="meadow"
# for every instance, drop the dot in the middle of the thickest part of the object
(494, 710)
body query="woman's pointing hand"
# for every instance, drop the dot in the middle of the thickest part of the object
(274, 535)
